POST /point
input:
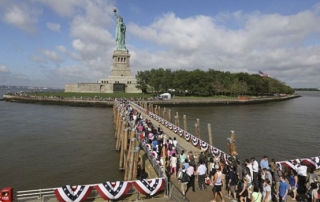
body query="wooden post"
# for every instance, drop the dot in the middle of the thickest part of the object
(169, 115)
(151, 107)
(118, 121)
(198, 128)
(155, 110)
(131, 156)
(125, 139)
(210, 134)
(164, 158)
(119, 134)
(136, 159)
(178, 123)
(122, 150)
(195, 130)
(164, 116)
(231, 144)
(175, 120)
(185, 126)
(159, 111)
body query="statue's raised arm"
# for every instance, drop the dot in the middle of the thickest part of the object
(120, 32)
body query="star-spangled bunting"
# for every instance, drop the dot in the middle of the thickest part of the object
(113, 190)
(72, 194)
(150, 186)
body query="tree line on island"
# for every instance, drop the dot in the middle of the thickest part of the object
(208, 83)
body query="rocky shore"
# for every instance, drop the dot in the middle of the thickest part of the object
(173, 102)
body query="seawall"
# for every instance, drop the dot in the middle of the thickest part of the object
(59, 101)
(173, 102)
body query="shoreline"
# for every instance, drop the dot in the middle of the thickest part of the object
(173, 102)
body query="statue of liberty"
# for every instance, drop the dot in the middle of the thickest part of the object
(120, 32)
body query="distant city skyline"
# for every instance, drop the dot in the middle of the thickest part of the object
(53, 43)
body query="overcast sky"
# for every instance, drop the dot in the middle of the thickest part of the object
(51, 43)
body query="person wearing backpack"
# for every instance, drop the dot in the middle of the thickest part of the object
(185, 178)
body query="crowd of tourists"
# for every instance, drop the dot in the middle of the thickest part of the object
(250, 180)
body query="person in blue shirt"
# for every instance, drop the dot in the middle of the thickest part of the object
(264, 163)
(283, 190)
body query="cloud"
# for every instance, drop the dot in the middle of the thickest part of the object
(52, 55)
(21, 16)
(272, 43)
(63, 8)
(37, 59)
(4, 69)
(53, 26)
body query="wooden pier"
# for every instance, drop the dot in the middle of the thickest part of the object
(197, 196)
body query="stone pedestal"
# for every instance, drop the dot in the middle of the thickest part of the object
(121, 63)
(120, 79)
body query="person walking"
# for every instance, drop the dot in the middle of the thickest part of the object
(217, 185)
(294, 183)
(190, 171)
(266, 191)
(283, 190)
(185, 179)
(201, 173)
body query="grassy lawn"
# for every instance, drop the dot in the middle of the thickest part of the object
(202, 98)
(126, 95)
(100, 95)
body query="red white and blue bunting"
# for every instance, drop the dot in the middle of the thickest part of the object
(154, 154)
(175, 129)
(313, 162)
(149, 186)
(195, 140)
(113, 190)
(180, 131)
(148, 146)
(72, 193)
(187, 136)
(215, 151)
(204, 146)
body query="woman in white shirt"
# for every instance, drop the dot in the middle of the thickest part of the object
(266, 191)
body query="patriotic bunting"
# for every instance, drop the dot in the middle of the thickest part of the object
(215, 151)
(195, 140)
(204, 146)
(154, 154)
(72, 193)
(180, 132)
(175, 129)
(149, 186)
(288, 164)
(166, 123)
(113, 190)
(187, 136)
(148, 146)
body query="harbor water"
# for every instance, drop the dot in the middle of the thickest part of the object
(45, 146)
